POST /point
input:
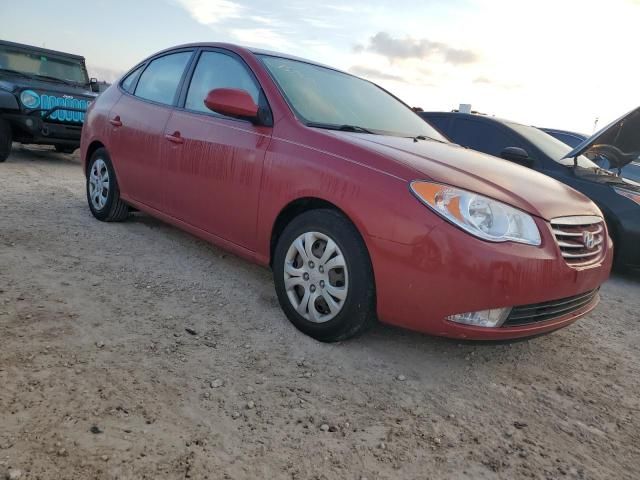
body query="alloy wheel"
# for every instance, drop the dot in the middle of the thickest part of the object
(99, 184)
(316, 277)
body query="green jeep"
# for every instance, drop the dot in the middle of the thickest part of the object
(44, 95)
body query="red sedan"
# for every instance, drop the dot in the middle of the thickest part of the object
(362, 210)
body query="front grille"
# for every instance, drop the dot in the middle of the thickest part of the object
(541, 312)
(581, 239)
(50, 101)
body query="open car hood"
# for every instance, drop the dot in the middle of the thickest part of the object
(619, 141)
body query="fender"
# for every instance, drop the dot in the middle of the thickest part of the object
(8, 101)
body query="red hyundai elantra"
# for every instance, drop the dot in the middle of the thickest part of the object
(362, 210)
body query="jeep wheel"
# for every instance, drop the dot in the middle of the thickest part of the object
(323, 276)
(103, 193)
(5, 139)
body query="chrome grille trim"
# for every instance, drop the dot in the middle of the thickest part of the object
(572, 234)
(581, 239)
(566, 244)
(577, 220)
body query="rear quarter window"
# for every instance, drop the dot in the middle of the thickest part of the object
(129, 82)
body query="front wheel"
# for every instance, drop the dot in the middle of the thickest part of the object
(103, 193)
(5, 139)
(323, 276)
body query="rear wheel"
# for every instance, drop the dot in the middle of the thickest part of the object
(323, 276)
(5, 139)
(103, 193)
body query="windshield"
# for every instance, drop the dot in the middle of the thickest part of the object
(37, 64)
(552, 147)
(320, 96)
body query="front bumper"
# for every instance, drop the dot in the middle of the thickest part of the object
(34, 129)
(447, 271)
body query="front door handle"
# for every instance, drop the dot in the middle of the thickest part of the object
(174, 137)
(115, 121)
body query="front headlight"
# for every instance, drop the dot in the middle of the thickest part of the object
(30, 99)
(629, 194)
(480, 216)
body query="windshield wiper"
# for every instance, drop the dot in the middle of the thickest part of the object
(55, 79)
(343, 128)
(424, 137)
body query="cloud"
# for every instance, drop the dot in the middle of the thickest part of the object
(262, 20)
(411, 48)
(368, 72)
(108, 75)
(482, 80)
(260, 37)
(209, 12)
(319, 22)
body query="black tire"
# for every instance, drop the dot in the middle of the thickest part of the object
(64, 149)
(5, 139)
(358, 311)
(114, 209)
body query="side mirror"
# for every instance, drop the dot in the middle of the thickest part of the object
(517, 155)
(232, 102)
(93, 84)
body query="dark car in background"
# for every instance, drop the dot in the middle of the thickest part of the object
(44, 95)
(573, 139)
(618, 198)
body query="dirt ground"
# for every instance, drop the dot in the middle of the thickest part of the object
(99, 377)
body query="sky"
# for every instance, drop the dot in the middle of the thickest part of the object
(549, 63)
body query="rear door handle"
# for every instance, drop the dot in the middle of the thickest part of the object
(174, 137)
(115, 121)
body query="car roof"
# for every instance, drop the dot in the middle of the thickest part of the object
(255, 51)
(471, 115)
(45, 51)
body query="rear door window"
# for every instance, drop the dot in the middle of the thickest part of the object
(218, 70)
(159, 82)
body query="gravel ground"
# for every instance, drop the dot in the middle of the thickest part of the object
(134, 350)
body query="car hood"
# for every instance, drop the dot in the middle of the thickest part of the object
(619, 141)
(493, 177)
(14, 83)
(607, 178)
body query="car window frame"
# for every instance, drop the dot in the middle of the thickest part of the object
(146, 64)
(263, 101)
